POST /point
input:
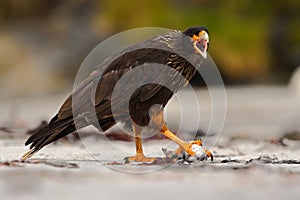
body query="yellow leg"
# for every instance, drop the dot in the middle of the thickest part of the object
(139, 157)
(182, 144)
(157, 116)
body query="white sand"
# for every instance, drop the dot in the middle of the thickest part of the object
(253, 115)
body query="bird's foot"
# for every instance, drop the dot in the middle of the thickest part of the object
(139, 158)
(187, 147)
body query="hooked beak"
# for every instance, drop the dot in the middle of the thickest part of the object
(201, 43)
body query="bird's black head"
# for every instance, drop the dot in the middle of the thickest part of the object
(200, 38)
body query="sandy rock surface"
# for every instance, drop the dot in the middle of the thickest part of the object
(256, 156)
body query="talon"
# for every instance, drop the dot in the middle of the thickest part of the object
(183, 146)
(188, 146)
(209, 154)
(126, 160)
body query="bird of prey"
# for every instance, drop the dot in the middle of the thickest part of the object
(180, 51)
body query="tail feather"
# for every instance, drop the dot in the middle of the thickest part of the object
(56, 135)
(48, 129)
(47, 134)
(28, 154)
(56, 129)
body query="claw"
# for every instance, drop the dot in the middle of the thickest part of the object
(209, 154)
(188, 149)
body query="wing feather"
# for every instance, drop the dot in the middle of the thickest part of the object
(96, 91)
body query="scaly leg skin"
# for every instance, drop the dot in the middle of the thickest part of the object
(183, 146)
(139, 157)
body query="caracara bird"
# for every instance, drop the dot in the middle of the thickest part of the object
(180, 52)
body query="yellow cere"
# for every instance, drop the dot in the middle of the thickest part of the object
(196, 37)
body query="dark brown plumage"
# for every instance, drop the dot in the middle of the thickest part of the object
(181, 52)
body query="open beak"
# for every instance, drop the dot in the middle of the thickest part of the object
(201, 43)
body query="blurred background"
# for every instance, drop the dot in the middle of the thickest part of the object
(256, 46)
(43, 43)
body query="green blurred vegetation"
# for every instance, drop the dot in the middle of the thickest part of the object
(241, 31)
(251, 41)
